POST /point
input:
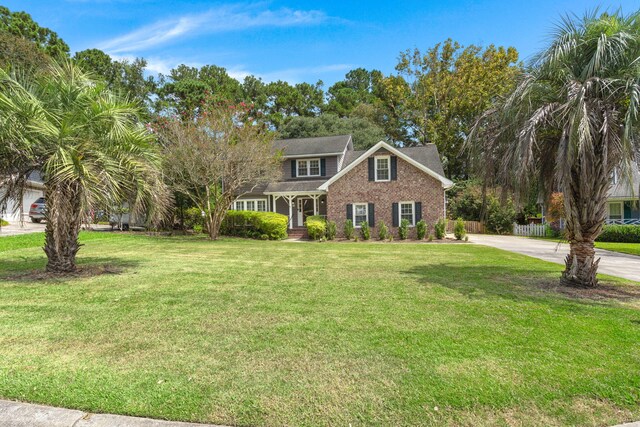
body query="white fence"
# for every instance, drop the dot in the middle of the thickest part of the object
(534, 230)
(628, 221)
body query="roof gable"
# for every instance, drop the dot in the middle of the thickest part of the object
(426, 158)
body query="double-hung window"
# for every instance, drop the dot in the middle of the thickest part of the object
(310, 167)
(383, 168)
(615, 210)
(408, 212)
(259, 205)
(360, 213)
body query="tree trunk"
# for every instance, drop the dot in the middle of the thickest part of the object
(64, 216)
(580, 265)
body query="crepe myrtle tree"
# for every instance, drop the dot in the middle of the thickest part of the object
(572, 119)
(215, 156)
(89, 145)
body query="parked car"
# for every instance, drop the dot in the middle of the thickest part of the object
(37, 209)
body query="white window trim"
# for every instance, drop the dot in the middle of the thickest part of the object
(413, 212)
(255, 203)
(621, 204)
(375, 166)
(614, 176)
(353, 212)
(308, 167)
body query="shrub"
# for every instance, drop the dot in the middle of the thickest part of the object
(348, 229)
(500, 217)
(365, 231)
(440, 228)
(430, 237)
(403, 230)
(197, 228)
(459, 230)
(421, 229)
(316, 227)
(383, 230)
(620, 234)
(332, 230)
(3, 223)
(254, 224)
(193, 217)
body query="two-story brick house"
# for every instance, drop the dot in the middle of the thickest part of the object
(326, 176)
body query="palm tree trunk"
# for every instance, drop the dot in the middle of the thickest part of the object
(64, 215)
(580, 265)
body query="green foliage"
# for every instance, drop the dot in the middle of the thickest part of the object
(3, 223)
(440, 228)
(193, 218)
(122, 76)
(255, 224)
(332, 230)
(403, 230)
(364, 132)
(348, 229)
(22, 25)
(458, 229)
(365, 231)
(500, 217)
(383, 230)
(620, 234)
(20, 54)
(464, 201)
(316, 227)
(198, 228)
(449, 86)
(421, 229)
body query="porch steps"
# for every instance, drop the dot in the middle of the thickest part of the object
(298, 233)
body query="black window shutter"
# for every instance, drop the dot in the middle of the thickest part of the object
(323, 167)
(350, 211)
(394, 168)
(372, 216)
(372, 170)
(293, 169)
(394, 214)
(418, 213)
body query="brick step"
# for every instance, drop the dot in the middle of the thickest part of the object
(298, 232)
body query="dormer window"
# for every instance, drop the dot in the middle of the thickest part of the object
(383, 167)
(309, 167)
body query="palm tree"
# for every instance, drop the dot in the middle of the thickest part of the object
(572, 119)
(89, 145)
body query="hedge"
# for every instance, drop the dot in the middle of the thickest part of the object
(620, 234)
(257, 225)
(316, 227)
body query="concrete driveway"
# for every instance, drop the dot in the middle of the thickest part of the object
(24, 228)
(611, 263)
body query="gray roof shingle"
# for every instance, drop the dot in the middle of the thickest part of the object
(312, 146)
(287, 186)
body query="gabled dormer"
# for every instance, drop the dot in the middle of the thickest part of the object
(313, 158)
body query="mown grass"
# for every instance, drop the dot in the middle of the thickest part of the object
(277, 333)
(627, 248)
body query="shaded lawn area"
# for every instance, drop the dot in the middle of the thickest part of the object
(277, 333)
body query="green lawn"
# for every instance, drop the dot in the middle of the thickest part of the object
(627, 248)
(278, 333)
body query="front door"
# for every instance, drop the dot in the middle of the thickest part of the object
(305, 209)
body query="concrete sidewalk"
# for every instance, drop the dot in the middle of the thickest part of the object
(611, 263)
(17, 414)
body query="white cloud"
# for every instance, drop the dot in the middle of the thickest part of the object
(222, 19)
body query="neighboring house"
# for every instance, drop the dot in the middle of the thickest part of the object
(623, 198)
(325, 176)
(14, 212)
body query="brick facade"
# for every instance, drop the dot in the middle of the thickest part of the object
(412, 185)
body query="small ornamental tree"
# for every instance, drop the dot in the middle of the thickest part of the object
(555, 211)
(216, 157)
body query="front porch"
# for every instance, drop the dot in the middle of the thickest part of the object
(299, 205)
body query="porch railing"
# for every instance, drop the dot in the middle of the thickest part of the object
(628, 221)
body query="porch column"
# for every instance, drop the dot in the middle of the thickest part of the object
(289, 200)
(315, 205)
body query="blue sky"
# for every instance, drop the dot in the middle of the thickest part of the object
(296, 40)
